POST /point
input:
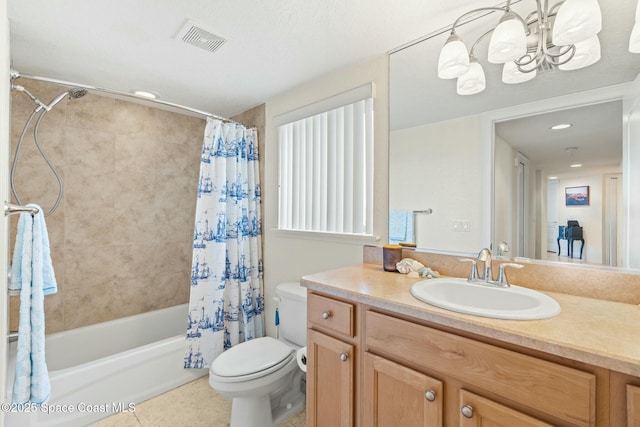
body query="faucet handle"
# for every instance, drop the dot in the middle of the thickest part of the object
(473, 273)
(502, 276)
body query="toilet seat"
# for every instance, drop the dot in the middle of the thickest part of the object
(251, 359)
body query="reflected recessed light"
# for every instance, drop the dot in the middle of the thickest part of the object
(145, 94)
(576, 165)
(561, 126)
(553, 177)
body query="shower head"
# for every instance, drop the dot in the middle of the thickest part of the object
(73, 93)
(77, 92)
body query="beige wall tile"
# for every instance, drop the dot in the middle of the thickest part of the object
(89, 225)
(135, 224)
(132, 119)
(93, 112)
(90, 152)
(135, 189)
(121, 239)
(90, 192)
(135, 153)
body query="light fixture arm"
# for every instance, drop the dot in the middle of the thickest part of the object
(557, 33)
(489, 8)
(482, 37)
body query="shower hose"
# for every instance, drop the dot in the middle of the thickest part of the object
(14, 165)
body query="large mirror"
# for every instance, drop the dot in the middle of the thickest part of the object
(478, 170)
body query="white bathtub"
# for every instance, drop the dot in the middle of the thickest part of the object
(108, 367)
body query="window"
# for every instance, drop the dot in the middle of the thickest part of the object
(326, 166)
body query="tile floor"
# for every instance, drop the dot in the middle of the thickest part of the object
(194, 404)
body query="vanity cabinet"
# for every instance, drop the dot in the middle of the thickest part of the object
(374, 366)
(395, 395)
(633, 406)
(484, 383)
(476, 411)
(331, 362)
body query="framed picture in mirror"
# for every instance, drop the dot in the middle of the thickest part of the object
(576, 196)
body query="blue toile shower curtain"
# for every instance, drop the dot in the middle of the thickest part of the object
(226, 302)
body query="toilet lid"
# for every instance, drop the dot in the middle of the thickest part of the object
(251, 357)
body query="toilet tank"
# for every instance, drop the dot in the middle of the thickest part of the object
(293, 312)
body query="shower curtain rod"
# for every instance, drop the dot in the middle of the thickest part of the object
(15, 74)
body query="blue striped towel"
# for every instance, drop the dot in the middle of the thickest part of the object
(33, 277)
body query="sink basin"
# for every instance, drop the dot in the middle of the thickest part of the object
(514, 302)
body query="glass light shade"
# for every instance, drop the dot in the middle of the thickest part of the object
(587, 53)
(634, 40)
(577, 20)
(473, 81)
(508, 40)
(454, 58)
(512, 75)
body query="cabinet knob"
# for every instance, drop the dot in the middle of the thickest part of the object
(344, 357)
(430, 395)
(467, 411)
(326, 314)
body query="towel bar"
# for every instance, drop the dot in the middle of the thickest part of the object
(10, 209)
(13, 336)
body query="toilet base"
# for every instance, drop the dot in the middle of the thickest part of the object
(251, 411)
(266, 404)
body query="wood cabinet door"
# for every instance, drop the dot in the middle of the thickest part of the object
(633, 406)
(395, 395)
(330, 377)
(476, 411)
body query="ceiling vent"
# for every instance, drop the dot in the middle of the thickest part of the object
(194, 34)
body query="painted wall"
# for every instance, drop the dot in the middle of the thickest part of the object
(288, 258)
(590, 217)
(121, 239)
(415, 181)
(505, 188)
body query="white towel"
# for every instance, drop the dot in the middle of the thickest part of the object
(33, 277)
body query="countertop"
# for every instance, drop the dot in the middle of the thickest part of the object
(597, 332)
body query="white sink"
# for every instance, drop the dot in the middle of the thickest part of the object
(514, 302)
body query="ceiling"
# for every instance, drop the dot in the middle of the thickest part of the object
(273, 46)
(419, 97)
(594, 139)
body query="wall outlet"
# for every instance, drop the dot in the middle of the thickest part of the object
(461, 225)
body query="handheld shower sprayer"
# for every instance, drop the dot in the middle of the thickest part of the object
(72, 93)
(40, 112)
(40, 104)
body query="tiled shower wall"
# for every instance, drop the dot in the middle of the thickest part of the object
(121, 238)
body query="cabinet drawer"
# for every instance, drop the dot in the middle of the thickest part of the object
(557, 390)
(329, 314)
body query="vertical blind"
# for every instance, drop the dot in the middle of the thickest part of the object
(326, 171)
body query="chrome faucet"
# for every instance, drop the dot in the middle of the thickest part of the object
(485, 256)
(487, 275)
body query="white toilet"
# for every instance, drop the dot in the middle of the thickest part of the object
(262, 376)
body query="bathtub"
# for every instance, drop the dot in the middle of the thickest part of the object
(109, 367)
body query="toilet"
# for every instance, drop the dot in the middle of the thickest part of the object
(261, 376)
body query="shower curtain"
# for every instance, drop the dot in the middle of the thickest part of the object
(226, 301)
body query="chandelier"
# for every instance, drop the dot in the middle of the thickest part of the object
(563, 36)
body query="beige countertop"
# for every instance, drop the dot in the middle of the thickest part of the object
(600, 333)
